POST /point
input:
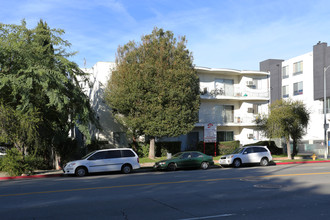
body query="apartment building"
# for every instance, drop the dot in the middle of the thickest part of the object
(301, 78)
(230, 101)
(110, 133)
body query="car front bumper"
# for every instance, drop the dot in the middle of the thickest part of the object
(68, 170)
(160, 167)
(225, 161)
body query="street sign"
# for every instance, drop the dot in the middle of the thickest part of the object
(210, 133)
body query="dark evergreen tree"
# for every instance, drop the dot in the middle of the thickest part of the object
(154, 90)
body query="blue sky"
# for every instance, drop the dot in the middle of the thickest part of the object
(235, 34)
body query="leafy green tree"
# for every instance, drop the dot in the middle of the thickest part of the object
(155, 89)
(287, 119)
(36, 76)
(18, 128)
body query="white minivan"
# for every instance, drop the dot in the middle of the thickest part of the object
(119, 159)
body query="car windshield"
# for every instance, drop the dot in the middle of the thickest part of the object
(177, 154)
(238, 151)
(87, 155)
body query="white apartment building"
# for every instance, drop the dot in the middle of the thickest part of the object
(301, 78)
(111, 133)
(298, 84)
(231, 99)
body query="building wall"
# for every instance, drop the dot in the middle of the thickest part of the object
(310, 80)
(315, 127)
(111, 133)
(274, 66)
(321, 59)
(242, 97)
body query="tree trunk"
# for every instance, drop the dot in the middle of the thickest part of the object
(295, 152)
(288, 148)
(135, 144)
(152, 148)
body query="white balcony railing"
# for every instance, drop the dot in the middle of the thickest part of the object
(236, 92)
(237, 120)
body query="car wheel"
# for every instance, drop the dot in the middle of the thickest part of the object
(204, 165)
(126, 169)
(81, 171)
(237, 163)
(264, 162)
(171, 167)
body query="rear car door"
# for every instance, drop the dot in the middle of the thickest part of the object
(196, 159)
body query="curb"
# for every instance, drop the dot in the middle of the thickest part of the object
(31, 177)
(302, 162)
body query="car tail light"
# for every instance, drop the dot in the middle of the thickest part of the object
(138, 160)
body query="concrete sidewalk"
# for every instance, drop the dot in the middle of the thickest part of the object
(54, 173)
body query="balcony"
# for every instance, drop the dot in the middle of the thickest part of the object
(231, 121)
(236, 93)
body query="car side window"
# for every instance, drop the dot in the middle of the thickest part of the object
(186, 155)
(248, 151)
(262, 149)
(99, 156)
(114, 154)
(195, 155)
(127, 153)
(259, 149)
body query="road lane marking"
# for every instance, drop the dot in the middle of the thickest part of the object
(208, 217)
(163, 183)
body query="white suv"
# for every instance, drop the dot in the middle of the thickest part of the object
(248, 154)
(119, 159)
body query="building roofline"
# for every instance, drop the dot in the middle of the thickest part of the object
(231, 71)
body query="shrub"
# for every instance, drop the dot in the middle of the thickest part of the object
(209, 148)
(142, 150)
(227, 147)
(270, 145)
(162, 148)
(14, 164)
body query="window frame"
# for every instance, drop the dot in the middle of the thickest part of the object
(298, 91)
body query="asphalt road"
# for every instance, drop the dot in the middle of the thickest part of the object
(298, 191)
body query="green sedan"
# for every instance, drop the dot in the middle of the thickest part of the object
(185, 159)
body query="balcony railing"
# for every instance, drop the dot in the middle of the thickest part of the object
(239, 120)
(236, 92)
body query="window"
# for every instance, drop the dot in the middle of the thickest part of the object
(248, 151)
(224, 87)
(285, 91)
(99, 156)
(285, 72)
(196, 155)
(298, 88)
(228, 113)
(298, 68)
(259, 149)
(127, 153)
(114, 154)
(256, 108)
(225, 136)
